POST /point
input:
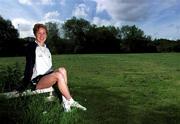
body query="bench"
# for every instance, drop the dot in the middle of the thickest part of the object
(15, 94)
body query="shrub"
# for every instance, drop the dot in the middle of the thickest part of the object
(10, 77)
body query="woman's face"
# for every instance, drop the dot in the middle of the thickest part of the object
(41, 35)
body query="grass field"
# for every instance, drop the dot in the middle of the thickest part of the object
(115, 88)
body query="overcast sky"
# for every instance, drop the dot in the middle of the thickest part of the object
(157, 18)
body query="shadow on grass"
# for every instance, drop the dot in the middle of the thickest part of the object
(106, 107)
(169, 114)
(103, 106)
(27, 110)
(11, 110)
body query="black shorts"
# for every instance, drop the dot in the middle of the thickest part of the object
(37, 79)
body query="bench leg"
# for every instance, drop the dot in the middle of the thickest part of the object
(51, 97)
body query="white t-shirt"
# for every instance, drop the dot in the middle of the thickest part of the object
(43, 61)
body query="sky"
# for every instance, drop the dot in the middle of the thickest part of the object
(157, 18)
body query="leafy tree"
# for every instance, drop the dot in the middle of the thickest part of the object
(165, 45)
(9, 42)
(133, 39)
(102, 39)
(76, 30)
(7, 30)
(115, 31)
(177, 46)
(53, 39)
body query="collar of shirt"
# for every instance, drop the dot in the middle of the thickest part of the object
(40, 46)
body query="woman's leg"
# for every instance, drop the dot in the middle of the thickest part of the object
(60, 76)
(63, 71)
(50, 79)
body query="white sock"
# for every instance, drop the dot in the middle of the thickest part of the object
(71, 100)
(64, 99)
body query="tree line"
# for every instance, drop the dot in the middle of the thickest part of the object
(78, 35)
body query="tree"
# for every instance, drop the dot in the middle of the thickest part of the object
(76, 30)
(102, 39)
(133, 39)
(165, 45)
(177, 46)
(9, 42)
(53, 38)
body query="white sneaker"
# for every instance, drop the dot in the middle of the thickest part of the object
(77, 105)
(66, 106)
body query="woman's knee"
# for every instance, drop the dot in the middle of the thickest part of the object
(59, 76)
(62, 70)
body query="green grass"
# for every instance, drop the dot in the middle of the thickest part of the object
(115, 88)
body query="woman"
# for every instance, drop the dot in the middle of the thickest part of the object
(39, 71)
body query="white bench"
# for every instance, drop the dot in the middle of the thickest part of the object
(28, 92)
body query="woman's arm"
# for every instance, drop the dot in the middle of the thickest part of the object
(30, 61)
